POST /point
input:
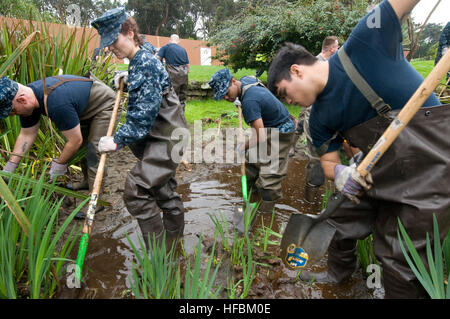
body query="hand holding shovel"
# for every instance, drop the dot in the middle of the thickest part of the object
(306, 238)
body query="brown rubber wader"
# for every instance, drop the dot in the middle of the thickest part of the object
(94, 122)
(179, 78)
(411, 183)
(150, 186)
(269, 171)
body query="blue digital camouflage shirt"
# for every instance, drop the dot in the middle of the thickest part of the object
(147, 79)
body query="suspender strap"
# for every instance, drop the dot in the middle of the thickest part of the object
(63, 80)
(375, 101)
(246, 87)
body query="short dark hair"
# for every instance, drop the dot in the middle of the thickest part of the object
(329, 41)
(288, 55)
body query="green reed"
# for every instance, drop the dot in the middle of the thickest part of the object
(433, 278)
(33, 263)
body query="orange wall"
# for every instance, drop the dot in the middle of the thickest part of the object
(192, 46)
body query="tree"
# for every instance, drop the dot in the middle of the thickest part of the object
(158, 17)
(251, 39)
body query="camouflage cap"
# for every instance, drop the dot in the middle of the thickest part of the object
(8, 90)
(220, 82)
(109, 25)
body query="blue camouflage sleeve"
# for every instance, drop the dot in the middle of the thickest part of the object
(144, 99)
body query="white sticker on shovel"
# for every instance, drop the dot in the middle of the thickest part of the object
(380, 142)
(396, 124)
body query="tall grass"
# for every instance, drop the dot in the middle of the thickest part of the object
(156, 274)
(32, 265)
(435, 278)
(27, 55)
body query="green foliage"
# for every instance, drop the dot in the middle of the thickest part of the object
(251, 39)
(432, 277)
(31, 265)
(48, 54)
(157, 274)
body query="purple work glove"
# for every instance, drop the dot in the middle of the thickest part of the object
(57, 169)
(350, 183)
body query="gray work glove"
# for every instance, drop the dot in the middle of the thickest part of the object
(117, 77)
(106, 144)
(237, 102)
(10, 167)
(57, 169)
(350, 183)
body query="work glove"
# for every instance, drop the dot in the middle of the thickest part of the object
(10, 167)
(240, 149)
(106, 144)
(117, 77)
(57, 169)
(350, 183)
(237, 102)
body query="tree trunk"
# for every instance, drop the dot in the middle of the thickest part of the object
(164, 20)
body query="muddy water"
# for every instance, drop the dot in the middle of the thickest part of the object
(207, 189)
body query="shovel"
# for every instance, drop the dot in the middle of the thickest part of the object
(243, 216)
(306, 238)
(89, 220)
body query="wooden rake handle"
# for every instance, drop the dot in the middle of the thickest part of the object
(406, 114)
(88, 222)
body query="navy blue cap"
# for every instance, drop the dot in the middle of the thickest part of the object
(8, 90)
(109, 25)
(220, 82)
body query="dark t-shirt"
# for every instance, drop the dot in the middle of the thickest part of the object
(259, 102)
(377, 54)
(174, 54)
(65, 104)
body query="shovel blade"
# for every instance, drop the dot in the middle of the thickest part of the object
(305, 241)
(239, 218)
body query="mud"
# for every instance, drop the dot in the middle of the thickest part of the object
(205, 189)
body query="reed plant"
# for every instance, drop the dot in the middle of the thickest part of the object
(196, 284)
(157, 273)
(29, 51)
(31, 265)
(434, 277)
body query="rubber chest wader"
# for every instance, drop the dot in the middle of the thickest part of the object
(150, 185)
(179, 78)
(268, 172)
(410, 184)
(94, 122)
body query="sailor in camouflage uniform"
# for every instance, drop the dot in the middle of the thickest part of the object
(154, 111)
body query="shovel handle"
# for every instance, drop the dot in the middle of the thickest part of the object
(406, 114)
(88, 222)
(241, 137)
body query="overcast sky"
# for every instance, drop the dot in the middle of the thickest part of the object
(440, 15)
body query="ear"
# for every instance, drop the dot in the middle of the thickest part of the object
(21, 99)
(296, 70)
(130, 34)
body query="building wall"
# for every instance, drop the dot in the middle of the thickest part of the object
(193, 48)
